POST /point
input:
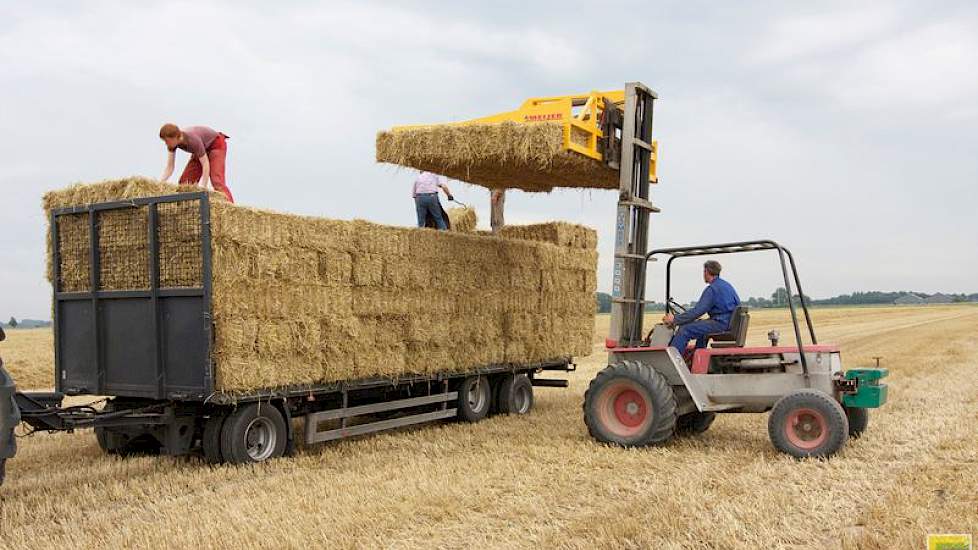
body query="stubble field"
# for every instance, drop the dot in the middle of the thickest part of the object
(538, 480)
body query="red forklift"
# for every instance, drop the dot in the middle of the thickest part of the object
(650, 393)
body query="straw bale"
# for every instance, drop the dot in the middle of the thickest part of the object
(559, 233)
(463, 219)
(497, 156)
(300, 300)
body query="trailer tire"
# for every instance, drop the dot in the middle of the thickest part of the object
(694, 423)
(112, 442)
(253, 433)
(858, 421)
(808, 423)
(631, 405)
(474, 398)
(210, 440)
(514, 394)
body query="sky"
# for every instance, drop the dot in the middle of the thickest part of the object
(847, 131)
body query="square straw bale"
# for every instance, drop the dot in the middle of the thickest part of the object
(504, 155)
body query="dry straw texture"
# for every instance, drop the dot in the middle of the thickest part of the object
(538, 480)
(463, 219)
(498, 156)
(302, 300)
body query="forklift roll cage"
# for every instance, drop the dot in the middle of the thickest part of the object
(635, 328)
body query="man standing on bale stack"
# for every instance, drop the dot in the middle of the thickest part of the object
(425, 194)
(208, 150)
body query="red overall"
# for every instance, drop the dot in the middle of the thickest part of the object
(216, 155)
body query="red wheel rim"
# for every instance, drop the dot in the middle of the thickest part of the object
(806, 428)
(624, 408)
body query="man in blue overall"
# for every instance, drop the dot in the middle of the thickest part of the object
(719, 300)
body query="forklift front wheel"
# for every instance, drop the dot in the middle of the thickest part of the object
(631, 405)
(808, 423)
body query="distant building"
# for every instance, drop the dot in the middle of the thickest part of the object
(938, 299)
(908, 300)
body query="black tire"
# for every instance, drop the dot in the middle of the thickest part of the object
(255, 432)
(114, 442)
(474, 398)
(630, 405)
(808, 423)
(694, 423)
(858, 421)
(514, 394)
(210, 440)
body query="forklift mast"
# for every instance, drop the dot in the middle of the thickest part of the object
(637, 161)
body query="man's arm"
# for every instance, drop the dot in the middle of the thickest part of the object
(205, 172)
(168, 171)
(702, 306)
(448, 194)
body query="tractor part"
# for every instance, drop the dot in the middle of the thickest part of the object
(870, 392)
(253, 433)
(694, 423)
(9, 418)
(858, 421)
(808, 423)
(631, 405)
(514, 394)
(474, 398)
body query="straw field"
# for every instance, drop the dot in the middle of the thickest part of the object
(302, 300)
(538, 481)
(504, 155)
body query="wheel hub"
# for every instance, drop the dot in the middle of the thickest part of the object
(806, 428)
(630, 408)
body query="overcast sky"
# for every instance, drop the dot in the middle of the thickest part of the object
(845, 130)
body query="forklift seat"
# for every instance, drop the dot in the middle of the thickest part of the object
(736, 335)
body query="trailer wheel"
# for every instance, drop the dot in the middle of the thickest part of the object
(114, 442)
(253, 433)
(210, 441)
(694, 423)
(808, 423)
(631, 405)
(514, 394)
(858, 420)
(474, 398)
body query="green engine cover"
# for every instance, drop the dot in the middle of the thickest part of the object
(870, 392)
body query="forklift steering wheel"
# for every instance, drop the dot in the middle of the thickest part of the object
(673, 303)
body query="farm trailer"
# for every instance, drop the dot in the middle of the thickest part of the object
(151, 352)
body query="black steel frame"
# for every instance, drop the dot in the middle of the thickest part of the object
(730, 248)
(154, 293)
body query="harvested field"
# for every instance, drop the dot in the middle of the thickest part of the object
(539, 481)
(302, 300)
(504, 155)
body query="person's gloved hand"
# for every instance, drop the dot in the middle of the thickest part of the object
(451, 198)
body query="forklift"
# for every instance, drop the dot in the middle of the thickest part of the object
(651, 392)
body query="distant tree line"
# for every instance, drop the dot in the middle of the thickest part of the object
(779, 298)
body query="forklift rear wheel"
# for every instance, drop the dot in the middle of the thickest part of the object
(253, 433)
(858, 420)
(514, 394)
(631, 405)
(474, 398)
(210, 441)
(694, 423)
(808, 423)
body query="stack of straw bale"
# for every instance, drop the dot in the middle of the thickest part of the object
(503, 155)
(300, 300)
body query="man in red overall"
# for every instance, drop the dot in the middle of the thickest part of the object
(208, 150)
